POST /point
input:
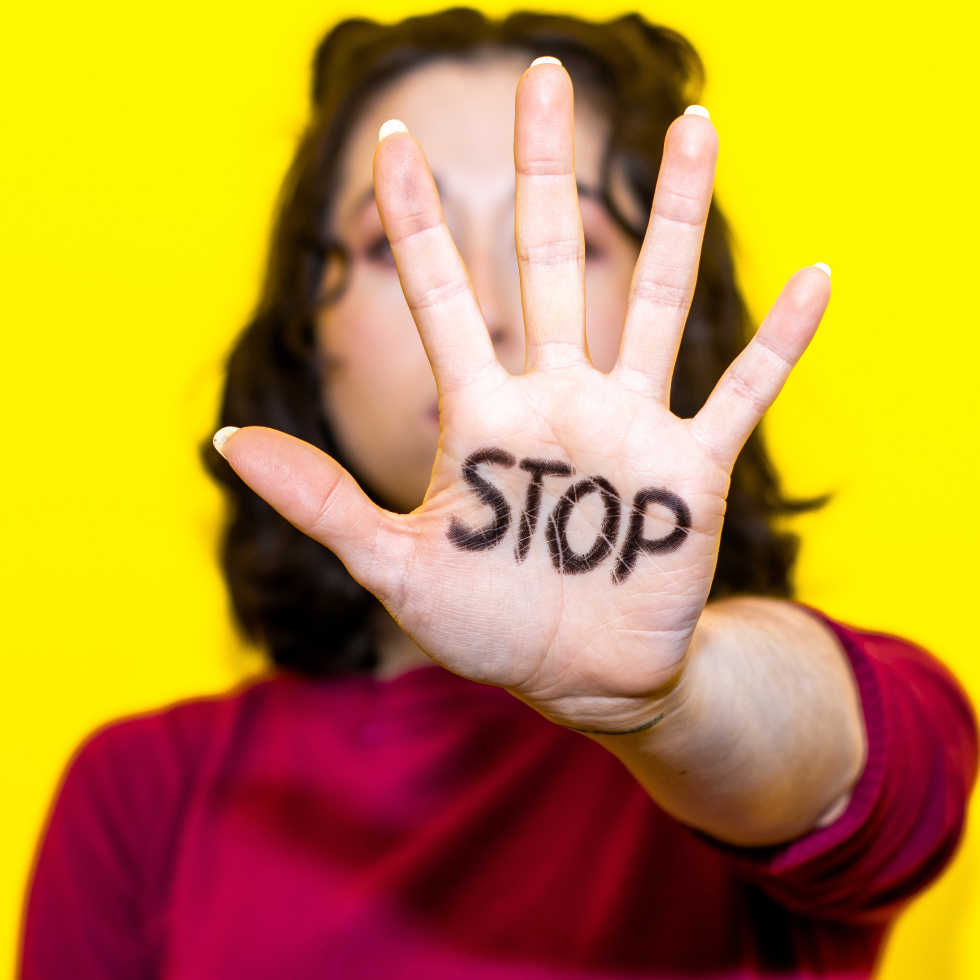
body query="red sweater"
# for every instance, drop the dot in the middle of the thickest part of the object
(429, 827)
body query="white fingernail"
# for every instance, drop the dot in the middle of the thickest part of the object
(697, 110)
(222, 436)
(822, 266)
(546, 60)
(392, 126)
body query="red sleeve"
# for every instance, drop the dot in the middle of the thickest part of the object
(94, 910)
(907, 811)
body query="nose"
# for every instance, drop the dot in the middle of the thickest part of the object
(493, 268)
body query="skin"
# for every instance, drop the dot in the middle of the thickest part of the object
(742, 718)
(381, 395)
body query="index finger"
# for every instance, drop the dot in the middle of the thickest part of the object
(435, 282)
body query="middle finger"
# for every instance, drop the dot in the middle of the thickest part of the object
(548, 225)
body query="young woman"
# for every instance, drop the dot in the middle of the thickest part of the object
(641, 783)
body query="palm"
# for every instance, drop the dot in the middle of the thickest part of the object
(567, 542)
(568, 617)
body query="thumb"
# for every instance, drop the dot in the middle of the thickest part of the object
(317, 495)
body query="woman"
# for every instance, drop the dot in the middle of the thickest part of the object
(674, 788)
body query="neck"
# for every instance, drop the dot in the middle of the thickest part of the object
(397, 653)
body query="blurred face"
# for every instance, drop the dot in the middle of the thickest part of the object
(379, 392)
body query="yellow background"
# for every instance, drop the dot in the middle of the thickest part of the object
(143, 145)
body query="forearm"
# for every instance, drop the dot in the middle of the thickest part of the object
(762, 737)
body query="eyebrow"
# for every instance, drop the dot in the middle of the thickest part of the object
(584, 190)
(369, 195)
(357, 206)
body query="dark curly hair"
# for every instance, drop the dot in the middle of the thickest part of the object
(291, 594)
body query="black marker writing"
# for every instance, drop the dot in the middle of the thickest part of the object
(539, 469)
(467, 538)
(635, 542)
(566, 560)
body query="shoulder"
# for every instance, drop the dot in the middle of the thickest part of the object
(179, 730)
(126, 792)
(135, 771)
(105, 859)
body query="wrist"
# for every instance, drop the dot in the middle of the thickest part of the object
(617, 713)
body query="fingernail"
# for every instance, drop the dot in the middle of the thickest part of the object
(392, 126)
(222, 436)
(823, 267)
(546, 60)
(697, 110)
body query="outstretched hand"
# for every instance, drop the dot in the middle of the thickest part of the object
(567, 542)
